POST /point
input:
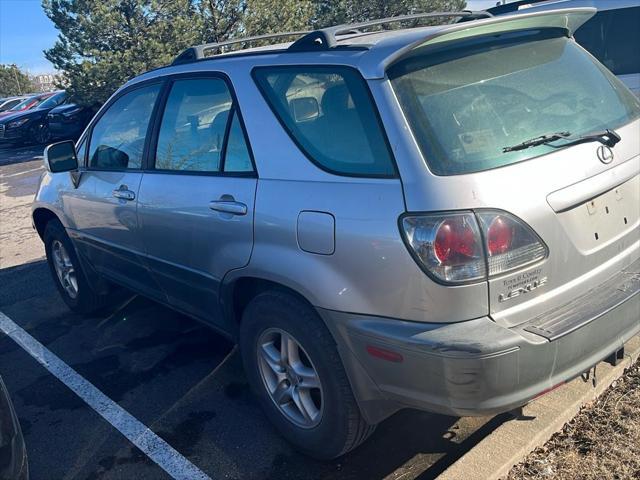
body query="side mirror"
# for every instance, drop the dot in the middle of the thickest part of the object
(61, 157)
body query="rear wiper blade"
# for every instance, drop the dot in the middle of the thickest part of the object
(534, 142)
(606, 137)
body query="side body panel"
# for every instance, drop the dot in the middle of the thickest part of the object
(370, 270)
(189, 247)
(105, 228)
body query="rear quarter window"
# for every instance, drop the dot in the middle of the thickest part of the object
(329, 113)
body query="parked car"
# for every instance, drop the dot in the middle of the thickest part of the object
(13, 456)
(442, 218)
(69, 120)
(30, 126)
(612, 35)
(9, 102)
(26, 104)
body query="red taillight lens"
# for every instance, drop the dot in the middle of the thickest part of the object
(499, 235)
(454, 239)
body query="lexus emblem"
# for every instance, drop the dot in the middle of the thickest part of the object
(605, 154)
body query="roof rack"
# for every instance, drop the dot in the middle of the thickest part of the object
(208, 49)
(322, 39)
(325, 38)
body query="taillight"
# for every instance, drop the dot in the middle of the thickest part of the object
(511, 243)
(451, 248)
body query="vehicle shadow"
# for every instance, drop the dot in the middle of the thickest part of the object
(10, 154)
(186, 383)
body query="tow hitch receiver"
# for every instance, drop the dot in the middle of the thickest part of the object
(616, 357)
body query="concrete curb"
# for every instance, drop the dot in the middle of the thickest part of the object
(508, 444)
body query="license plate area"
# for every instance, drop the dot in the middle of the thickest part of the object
(603, 219)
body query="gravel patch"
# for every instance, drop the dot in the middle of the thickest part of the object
(601, 442)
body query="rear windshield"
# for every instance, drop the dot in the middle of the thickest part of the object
(466, 103)
(53, 101)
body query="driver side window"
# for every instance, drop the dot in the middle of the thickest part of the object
(117, 139)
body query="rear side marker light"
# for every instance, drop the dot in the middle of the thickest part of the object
(465, 247)
(548, 390)
(384, 354)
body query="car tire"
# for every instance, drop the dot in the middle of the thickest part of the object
(39, 134)
(339, 426)
(67, 271)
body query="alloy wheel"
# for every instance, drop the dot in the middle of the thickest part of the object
(64, 269)
(290, 378)
(42, 134)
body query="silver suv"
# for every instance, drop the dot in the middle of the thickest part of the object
(443, 218)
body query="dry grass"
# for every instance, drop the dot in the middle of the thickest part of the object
(601, 442)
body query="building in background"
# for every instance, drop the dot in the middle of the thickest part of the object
(45, 82)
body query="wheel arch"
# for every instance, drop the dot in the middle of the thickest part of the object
(41, 216)
(239, 291)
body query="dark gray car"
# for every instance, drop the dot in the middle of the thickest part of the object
(13, 455)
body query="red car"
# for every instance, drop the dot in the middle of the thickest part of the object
(27, 104)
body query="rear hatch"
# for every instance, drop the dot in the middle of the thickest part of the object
(468, 98)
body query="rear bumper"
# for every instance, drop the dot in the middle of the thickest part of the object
(478, 367)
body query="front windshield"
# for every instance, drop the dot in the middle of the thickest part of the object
(53, 101)
(466, 103)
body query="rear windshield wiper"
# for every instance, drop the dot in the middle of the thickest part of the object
(534, 142)
(606, 137)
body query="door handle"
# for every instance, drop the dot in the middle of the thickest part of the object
(124, 193)
(228, 206)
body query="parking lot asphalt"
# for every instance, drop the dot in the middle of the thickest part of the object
(12, 154)
(173, 374)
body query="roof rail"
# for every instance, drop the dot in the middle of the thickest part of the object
(325, 38)
(208, 49)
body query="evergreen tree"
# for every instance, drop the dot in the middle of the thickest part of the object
(335, 12)
(103, 43)
(14, 81)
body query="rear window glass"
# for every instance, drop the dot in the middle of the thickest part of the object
(613, 37)
(465, 104)
(329, 113)
(54, 101)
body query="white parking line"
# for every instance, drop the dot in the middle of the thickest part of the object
(136, 432)
(22, 173)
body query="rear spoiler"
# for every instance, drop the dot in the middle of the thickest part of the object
(568, 19)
